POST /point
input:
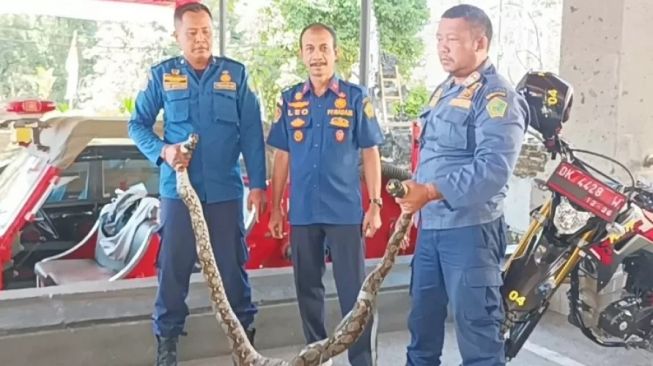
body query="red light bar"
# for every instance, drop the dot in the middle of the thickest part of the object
(32, 106)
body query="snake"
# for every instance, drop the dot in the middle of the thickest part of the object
(348, 330)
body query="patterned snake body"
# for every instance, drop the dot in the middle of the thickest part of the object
(348, 330)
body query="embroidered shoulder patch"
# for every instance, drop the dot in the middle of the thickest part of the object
(368, 108)
(496, 107)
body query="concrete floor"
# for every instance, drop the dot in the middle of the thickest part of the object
(555, 343)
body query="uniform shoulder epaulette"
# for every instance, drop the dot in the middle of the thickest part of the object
(291, 89)
(230, 60)
(496, 86)
(356, 87)
(166, 61)
(495, 91)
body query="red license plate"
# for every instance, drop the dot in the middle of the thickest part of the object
(586, 191)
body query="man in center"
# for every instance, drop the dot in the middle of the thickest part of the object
(320, 128)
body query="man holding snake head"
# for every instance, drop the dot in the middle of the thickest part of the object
(207, 95)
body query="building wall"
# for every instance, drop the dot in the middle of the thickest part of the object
(608, 59)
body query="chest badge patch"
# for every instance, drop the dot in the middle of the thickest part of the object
(297, 123)
(298, 105)
(339, 122)
(496, 107)
(341, 103)
(225, 82)
(340, 135)
(462, 103)
(368, 108)
(298, 136)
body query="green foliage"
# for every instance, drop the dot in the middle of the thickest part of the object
(399, 25)
(113, 55)
(42, 81)
(342, 15)
(416, 100)
(63, 107)
(278, 47)
(33, 43)
(127, 105)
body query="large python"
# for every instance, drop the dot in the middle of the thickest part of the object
(348, 330)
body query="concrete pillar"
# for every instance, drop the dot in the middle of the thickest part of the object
(607, 54)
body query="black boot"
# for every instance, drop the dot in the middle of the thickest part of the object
(166, 352)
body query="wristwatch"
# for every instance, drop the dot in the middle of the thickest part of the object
(377, 201)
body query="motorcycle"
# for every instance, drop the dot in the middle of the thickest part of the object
(593, 232)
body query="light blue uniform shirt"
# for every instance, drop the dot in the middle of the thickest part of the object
(324, 136)
(471, 137)
(218, 105)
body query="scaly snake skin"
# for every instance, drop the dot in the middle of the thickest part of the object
(345, 334)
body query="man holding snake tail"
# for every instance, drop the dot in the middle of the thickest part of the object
(471, 137)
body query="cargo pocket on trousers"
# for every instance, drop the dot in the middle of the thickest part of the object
(483, 304)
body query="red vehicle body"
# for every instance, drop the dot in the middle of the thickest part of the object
(52, 145)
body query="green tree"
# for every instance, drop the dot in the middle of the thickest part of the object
(124, 53)
(400, 23)
(35, 46)
(273, 58)
(415, 102)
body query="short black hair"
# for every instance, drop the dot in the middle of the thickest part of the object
(472, 14)
(194, 7)
(318, 26)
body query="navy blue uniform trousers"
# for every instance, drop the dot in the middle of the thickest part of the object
(460, 265)
(346, 249)
(177, 257)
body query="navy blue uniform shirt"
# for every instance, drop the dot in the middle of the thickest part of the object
(471, 137)
(324, 136)
(219, 106)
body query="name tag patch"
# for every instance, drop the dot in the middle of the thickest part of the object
(462, 103)
(297, 112)
(340, 112)
(175, 82)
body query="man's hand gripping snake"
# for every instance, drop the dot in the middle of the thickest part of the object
(348, 330)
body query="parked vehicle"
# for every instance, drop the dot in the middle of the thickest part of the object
(63, 170)
(594, 232)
